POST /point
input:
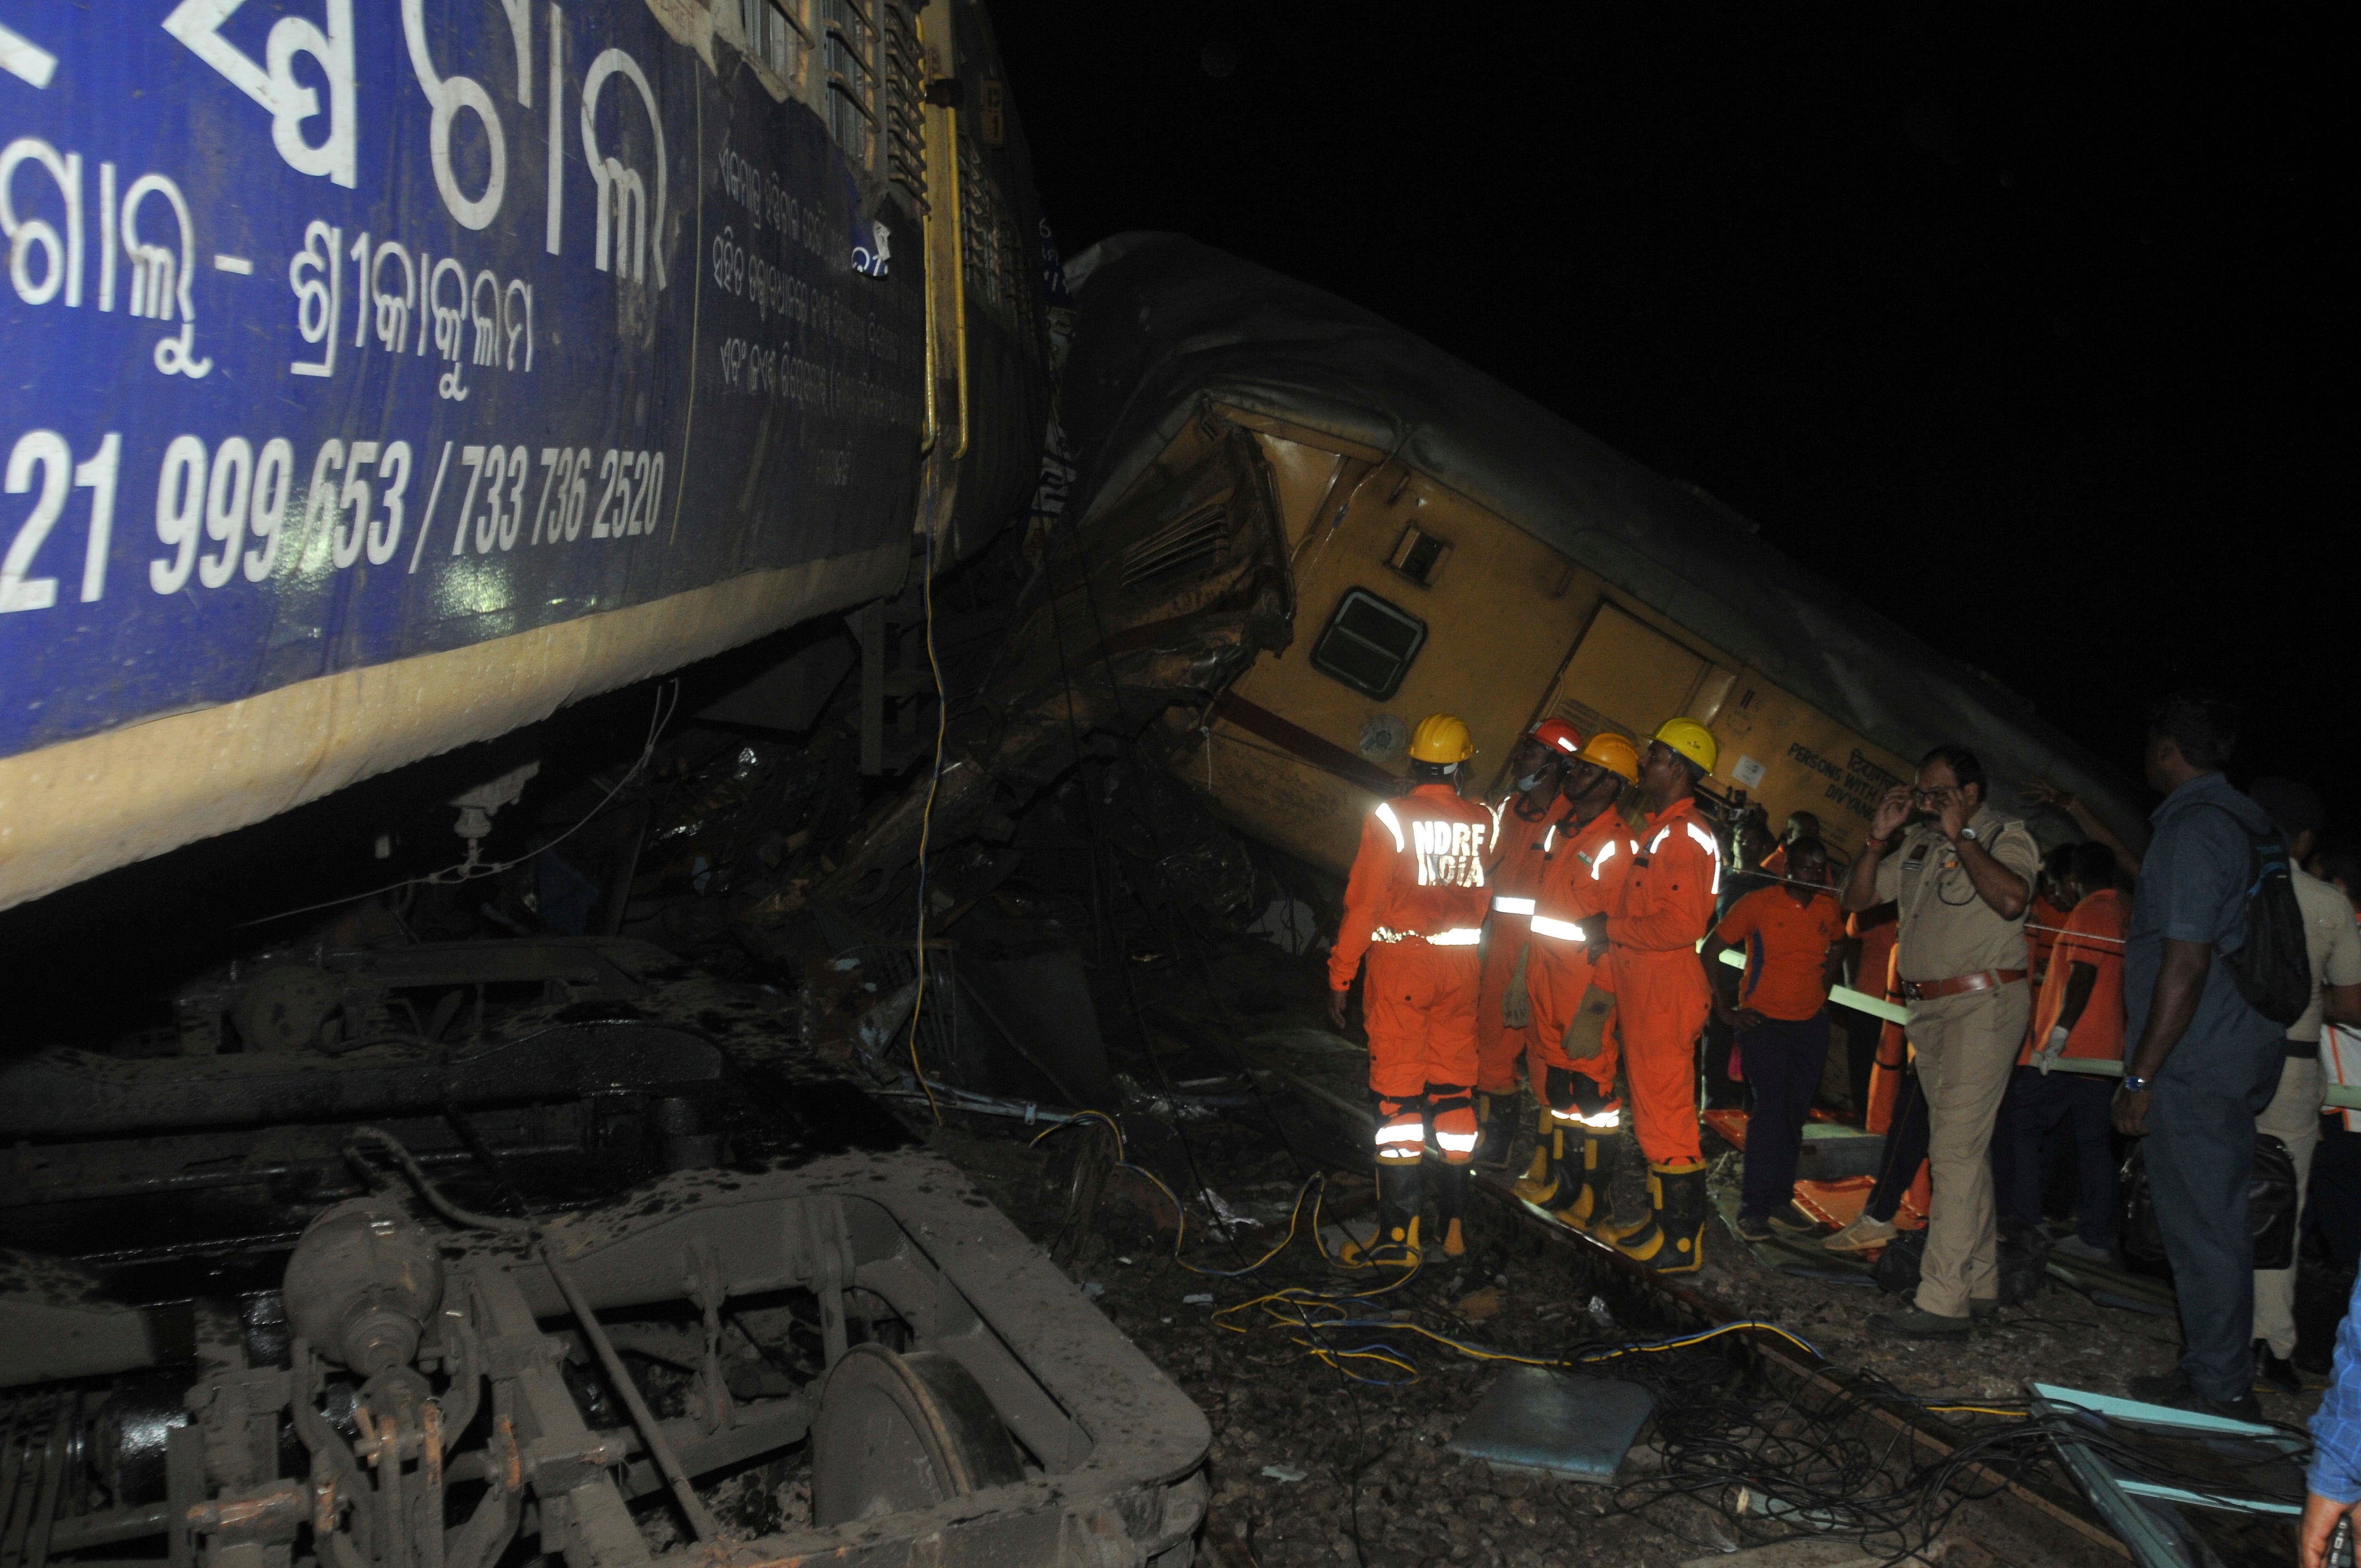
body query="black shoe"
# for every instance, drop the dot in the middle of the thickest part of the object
(1793, 1218)
(1911, 1323)
(2274, 1371)
(1752, 1229)
(2174, 1390)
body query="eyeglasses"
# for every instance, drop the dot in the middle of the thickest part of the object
(1933, 797)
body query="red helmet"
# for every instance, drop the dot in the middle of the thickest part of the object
(1558, 735)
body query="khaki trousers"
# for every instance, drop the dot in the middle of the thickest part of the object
(1967, 1048)
(2294, 1118)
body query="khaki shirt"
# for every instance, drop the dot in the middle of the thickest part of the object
(2331, 942)
(1946, 928)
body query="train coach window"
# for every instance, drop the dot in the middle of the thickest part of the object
(906, 90)
(852, 54)
(1368, 644)
(776, 36)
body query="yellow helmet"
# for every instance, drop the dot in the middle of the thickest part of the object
(1692, 741)
(1614, 753)
(1440, 738)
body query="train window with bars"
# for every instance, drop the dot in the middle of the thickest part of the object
(999, 271)
(778, 35)
(905, 92)
(1368, 644)
(848, 48)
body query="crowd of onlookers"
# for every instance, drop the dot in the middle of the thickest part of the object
(2063, 1007)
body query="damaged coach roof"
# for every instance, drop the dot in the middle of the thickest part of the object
(1167, 323)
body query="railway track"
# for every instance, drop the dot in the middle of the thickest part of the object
(2040, 1522)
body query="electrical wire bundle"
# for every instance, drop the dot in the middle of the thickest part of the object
(1779, 1468)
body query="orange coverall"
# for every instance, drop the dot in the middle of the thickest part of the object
(1583, 877)
(1515, 877)
(1664, 909)
(1415, 906)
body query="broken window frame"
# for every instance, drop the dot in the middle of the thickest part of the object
(1406, 555)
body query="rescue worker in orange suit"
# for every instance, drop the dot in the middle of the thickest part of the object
(1663, 912)
(1414, 907)
(1572, 992)
(1521, 825)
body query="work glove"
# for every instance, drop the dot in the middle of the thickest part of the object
(1517, 1006)
(2051, 1050)
(1586, 1033)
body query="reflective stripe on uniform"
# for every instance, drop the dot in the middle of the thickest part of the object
(1454, 1143)
(1603, 1122)
(1564, 930)
(1393, 824)
(1411, 1132)
(1606, 853)
(1460, 937)
(1706, 839)
(1503, 904)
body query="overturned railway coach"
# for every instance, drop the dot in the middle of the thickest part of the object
(382, 376)
(1346, 527)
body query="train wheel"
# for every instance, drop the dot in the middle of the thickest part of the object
(895, 1432)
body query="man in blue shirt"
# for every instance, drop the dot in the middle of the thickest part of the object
(2204, 1063)
(2334, 1482)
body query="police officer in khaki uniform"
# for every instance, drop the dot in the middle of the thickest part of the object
(1962, 876)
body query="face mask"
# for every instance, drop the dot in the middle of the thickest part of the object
(1529, 783)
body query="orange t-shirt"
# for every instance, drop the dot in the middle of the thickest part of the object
(2094, 935)
(1786, 950)
(2039, 943)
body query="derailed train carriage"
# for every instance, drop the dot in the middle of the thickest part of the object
(380, 379)
(1294, 528)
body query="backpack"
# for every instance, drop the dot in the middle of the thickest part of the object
(2273, 970)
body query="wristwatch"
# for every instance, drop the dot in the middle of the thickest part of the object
(1970, 834)
(2135, 1083)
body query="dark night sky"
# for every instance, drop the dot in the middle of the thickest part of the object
(2024, 325)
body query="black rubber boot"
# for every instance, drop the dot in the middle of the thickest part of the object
(1394, 1243)
(1451, 1182)
(1593, 1199)
(1496, 1115)
(1674, 1240)
(1544, 1177)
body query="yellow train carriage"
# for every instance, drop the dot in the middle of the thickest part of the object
(1451, 546)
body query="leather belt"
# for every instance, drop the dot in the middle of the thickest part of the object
(1959, 985)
